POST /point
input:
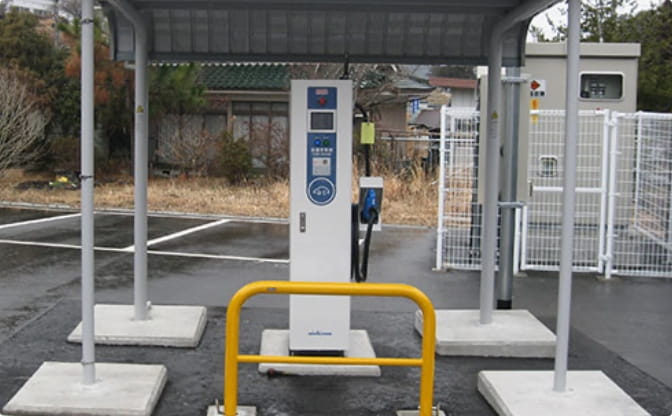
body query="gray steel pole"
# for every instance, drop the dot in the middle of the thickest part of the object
(509, 188)
(489, 228)
(442, 191)
(140, 173)
(568, 196)
(87, 132)
(489, 231)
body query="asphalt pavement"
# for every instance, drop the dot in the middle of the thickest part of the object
(621, 326)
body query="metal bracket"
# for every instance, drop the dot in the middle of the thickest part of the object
(511, 205)
(85, 177)
(86, 21)
(514, 80)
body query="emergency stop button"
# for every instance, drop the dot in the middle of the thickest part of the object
(322, 101)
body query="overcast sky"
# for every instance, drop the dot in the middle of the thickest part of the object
(554, 13)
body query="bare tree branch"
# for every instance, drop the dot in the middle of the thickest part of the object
(22, 122)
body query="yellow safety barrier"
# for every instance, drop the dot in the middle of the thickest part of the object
(232, 358)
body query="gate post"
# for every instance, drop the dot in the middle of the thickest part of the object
(612, 190)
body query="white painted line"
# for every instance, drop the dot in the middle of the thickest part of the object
(155, 252)
(219, 257)
(57, 245)
(180, 234)
(38, 221)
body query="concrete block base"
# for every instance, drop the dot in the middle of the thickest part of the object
(166, 326)
(240, 411)
(530, 393)
(436, 412)
(276, 342)
(512, 333)
(120, 389)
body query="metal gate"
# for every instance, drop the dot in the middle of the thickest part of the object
(542, 215)
(623, 222)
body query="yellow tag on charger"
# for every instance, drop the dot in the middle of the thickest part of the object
(368, 133)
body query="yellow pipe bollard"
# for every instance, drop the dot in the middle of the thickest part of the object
(232, 358)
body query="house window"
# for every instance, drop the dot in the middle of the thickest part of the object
(548, 166)
(601, 86)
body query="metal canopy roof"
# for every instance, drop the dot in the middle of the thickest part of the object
(394, 31)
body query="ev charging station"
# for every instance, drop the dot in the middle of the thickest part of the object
(324, 232)
(320, 200)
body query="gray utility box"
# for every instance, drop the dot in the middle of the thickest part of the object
(607, 75)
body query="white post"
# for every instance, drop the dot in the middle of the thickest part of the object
(87, 132)
(568, 196)
(638, 163)
(451, 148)
(516, 241)
(140, 175)
(604, 186)
(612, 190)
(442, 190)
(489, 232)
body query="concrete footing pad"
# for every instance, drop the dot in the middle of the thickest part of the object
(276, 342)
(436, 412)
(240, 411)
(512, 333)
(120, 389)
(167, 326)
(530, 393)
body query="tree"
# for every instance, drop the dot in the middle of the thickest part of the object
(652, 29)
(174, 95)
(22, 120)
(24, 44)
(175, 90)
(112, 87)
(600, 21)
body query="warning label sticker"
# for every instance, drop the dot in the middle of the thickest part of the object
(538, 88)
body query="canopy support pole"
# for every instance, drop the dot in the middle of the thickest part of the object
(489, 229)
(87, 203)
(568, 197)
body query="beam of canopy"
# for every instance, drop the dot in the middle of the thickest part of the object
(373, 31)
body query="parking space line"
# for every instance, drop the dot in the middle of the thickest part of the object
(56, 245)
(219, 257)
(154, 252)
(179, 234)
(38, 221)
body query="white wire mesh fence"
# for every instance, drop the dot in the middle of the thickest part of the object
(459, 222)
(641, 223)
(623, 222)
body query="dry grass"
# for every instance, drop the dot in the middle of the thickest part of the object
(410, 200)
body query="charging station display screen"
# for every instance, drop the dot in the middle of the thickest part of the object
(321, 120)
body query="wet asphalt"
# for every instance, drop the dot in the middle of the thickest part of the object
(622, 326)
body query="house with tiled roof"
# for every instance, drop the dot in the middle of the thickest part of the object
(251, 102)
